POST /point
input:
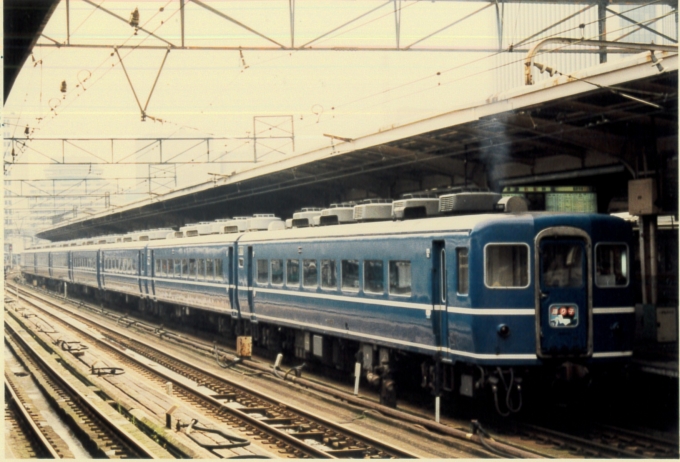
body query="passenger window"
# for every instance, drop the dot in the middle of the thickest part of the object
(209, 269)
(240, 262)
(178, 267)
(293, 272)
(507, 265)
(158, 266)
(562, 265)
(201, 268)
(350, 275)
(374, 277)
(463, 273)
(400, 277)
(309, 273)
(329, 278)
(277, 271)
(185, 268)
(611, 263)
(218, 269)
(262, 271)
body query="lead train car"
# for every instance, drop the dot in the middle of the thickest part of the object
(465, 301)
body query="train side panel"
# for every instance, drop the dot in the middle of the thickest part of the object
(84, 267)
(375, 290)
(120, 271)
(192, 276)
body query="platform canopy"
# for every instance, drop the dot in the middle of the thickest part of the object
(603, 125)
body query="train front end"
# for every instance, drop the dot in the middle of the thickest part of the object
(554, 301)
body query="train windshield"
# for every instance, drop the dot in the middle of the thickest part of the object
(562, 265)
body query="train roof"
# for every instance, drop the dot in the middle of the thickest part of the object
(450, 223)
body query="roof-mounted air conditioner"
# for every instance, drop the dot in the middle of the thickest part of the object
(415, 205)
(337, 214)
(468, 202)
(373, 209)
(260, 222)
(197, 229)
(153, 234)
(235, 225)
(305, 217)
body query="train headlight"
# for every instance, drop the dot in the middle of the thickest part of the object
(503, 330)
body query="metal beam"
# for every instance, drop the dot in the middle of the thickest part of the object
(229, 18)
(126, 22)
(643, 26)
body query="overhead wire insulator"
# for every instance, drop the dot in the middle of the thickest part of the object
(134, 18)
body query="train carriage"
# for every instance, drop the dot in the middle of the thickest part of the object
(195, 275)
(121, 270)
(61, 267)
(84, 266)
(43, 263)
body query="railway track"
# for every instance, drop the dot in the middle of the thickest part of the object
(287, 431)
(30, 438)
(102, 435)
(597, 441)
(517, 440)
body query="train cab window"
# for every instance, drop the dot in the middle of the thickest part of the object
(506, 265)
(262, 271)
(209, 269)
(374, 276)
(218, 269)
(329, 279)
(463, 272)
(277, 271)
(293, 272)
(309, 273)
(350, 275)
(611, 265)
(400, 277)
(562, 265)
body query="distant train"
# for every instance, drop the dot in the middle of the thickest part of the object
(468, 304)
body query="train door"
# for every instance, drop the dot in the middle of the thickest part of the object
(439, 293)
(99, 264)
(244, 280)
(151, 274)
(69, 262)
(251, 289)
(144, 270)
(563, 293)
(231, 282)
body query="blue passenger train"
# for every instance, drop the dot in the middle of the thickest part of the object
(468, 304)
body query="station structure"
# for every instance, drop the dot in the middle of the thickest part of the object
(610, 129)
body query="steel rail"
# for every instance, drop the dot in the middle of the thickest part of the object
(137, 449)
(205, 377)
(35, 430)
(430, 425)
